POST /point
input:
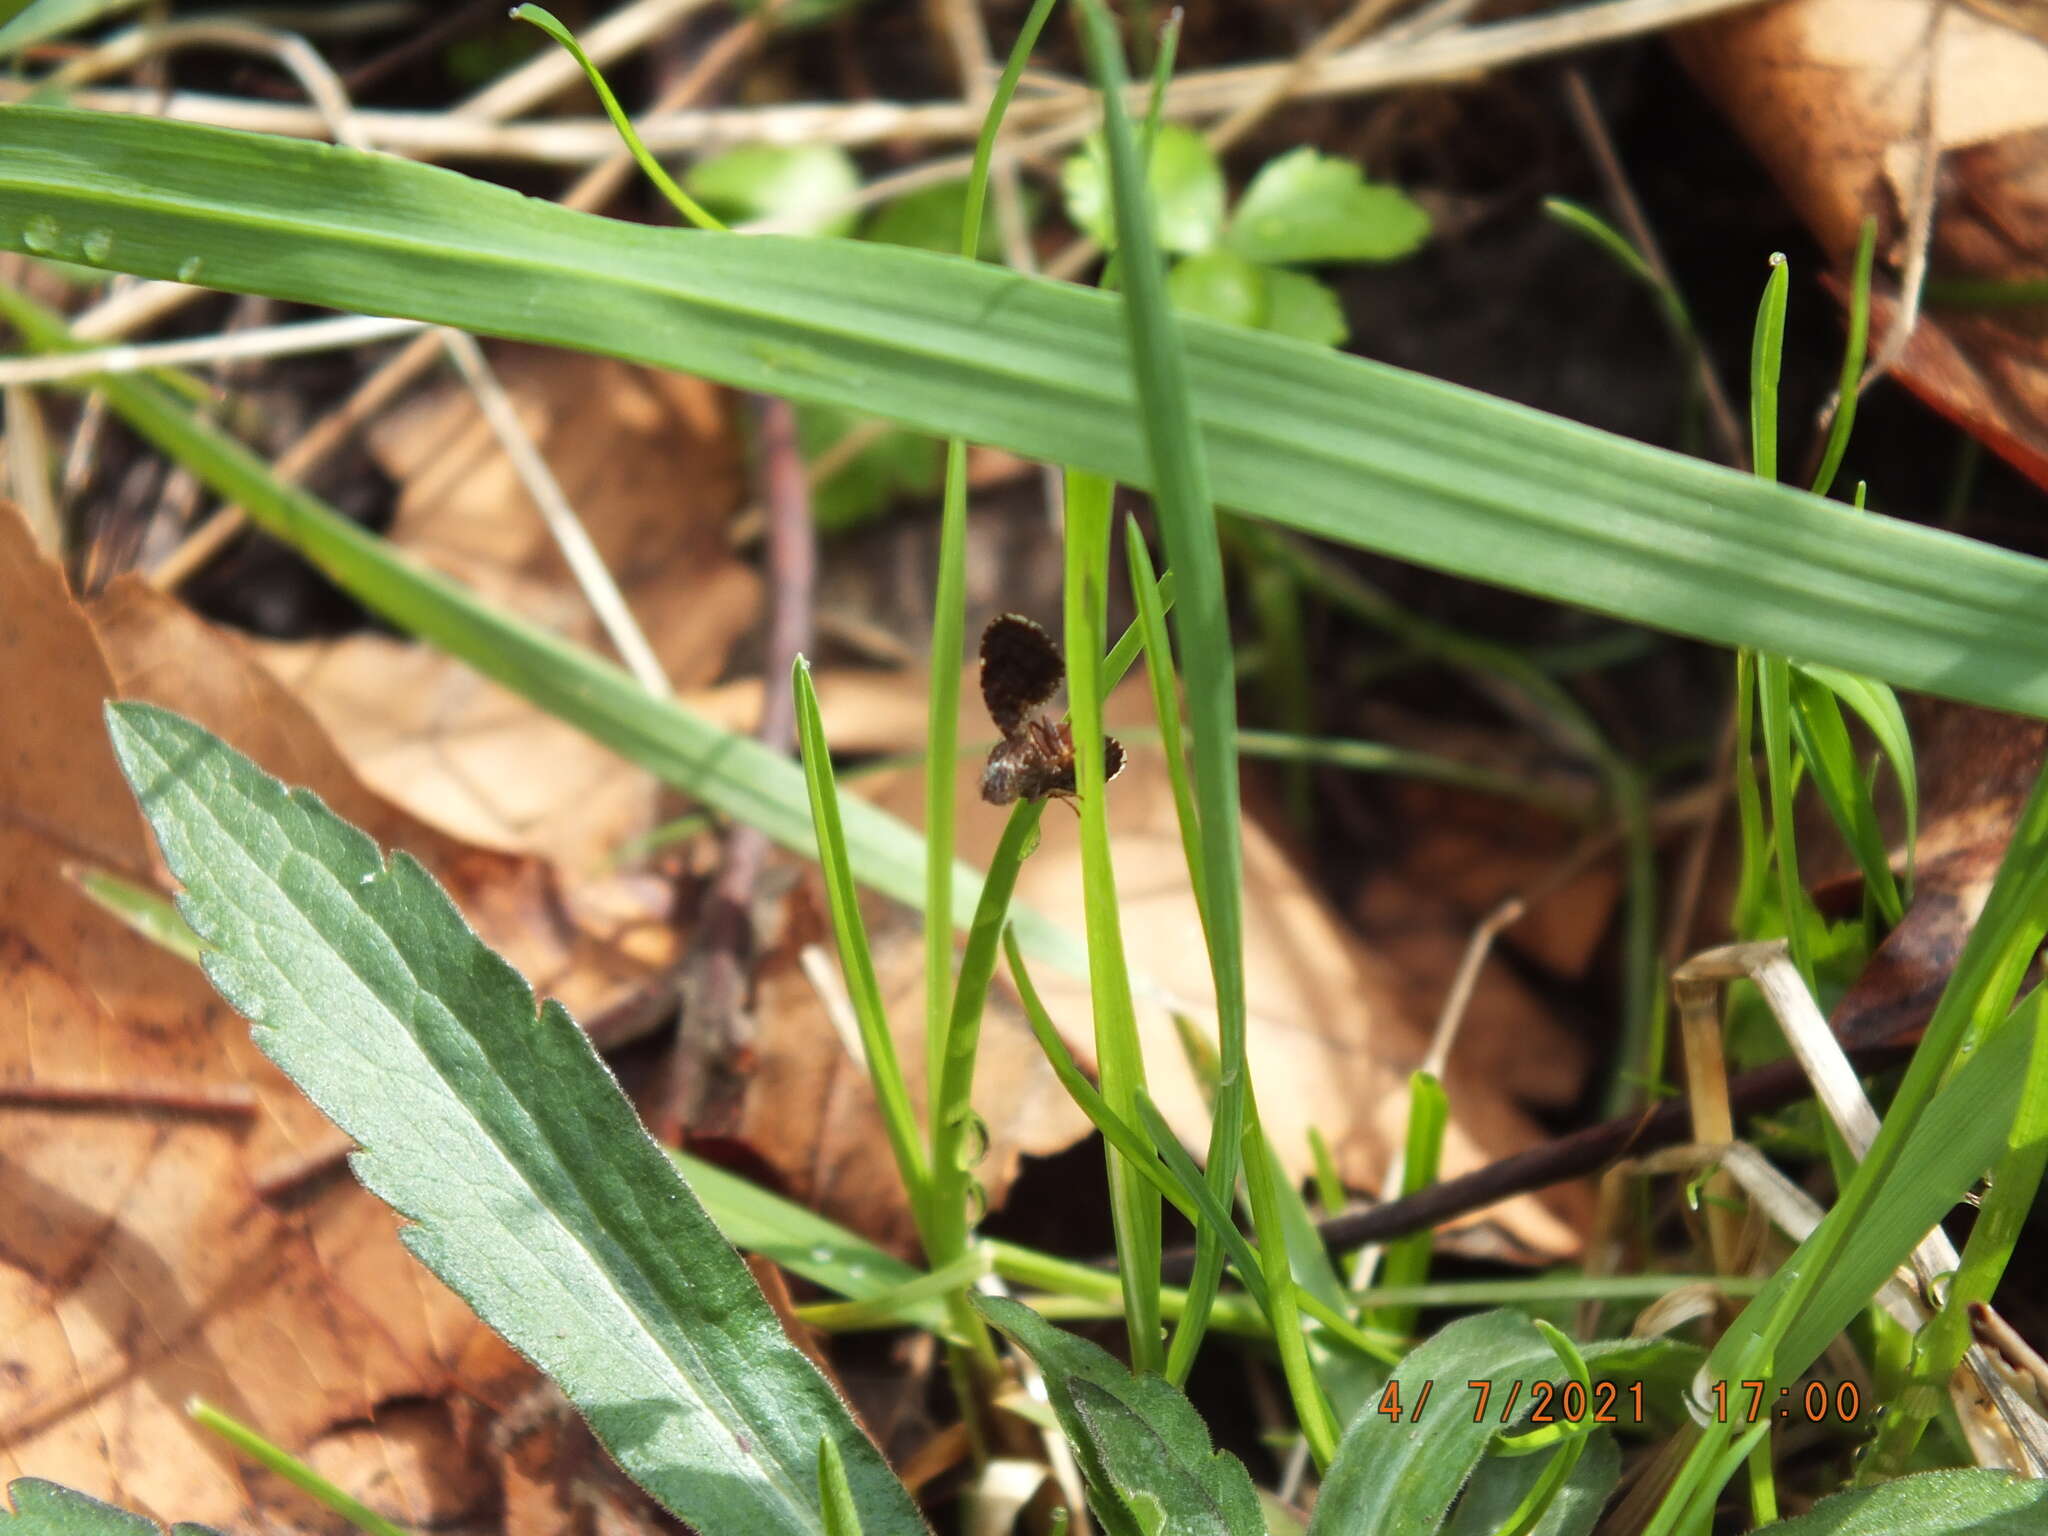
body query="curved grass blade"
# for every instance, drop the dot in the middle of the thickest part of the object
(531, 1186)
(1326, 444)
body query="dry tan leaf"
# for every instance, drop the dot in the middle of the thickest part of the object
(1846, 101)
(649, 463)
(153, 1255)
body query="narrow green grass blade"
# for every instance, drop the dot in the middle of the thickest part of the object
(1187, 517)
(949, 623)
(856, 959)
(2002, 1212)
(730, 772)
(692, 211)
(1847, 389)
(1323, 443)
(138, 908)
(532, 1188)
(1407, 1258)
(835, 1494)
(1263, 1181)
(38, 20)
(1766, 359)
(276, 1458)
(1134, 1208)
(1824, 743)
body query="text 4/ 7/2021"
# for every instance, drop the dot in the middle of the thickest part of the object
(1622, 1402)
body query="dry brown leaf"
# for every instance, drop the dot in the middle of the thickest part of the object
(810, 1113)
(1331, 1040)
(142, 1262)
(649, 463)
(1844, 100)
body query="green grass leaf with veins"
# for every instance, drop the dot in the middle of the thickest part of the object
(529, 1183)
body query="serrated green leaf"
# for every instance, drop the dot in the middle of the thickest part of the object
(1219, 285)
(1303, 307)
(1966, 1502)
(1184, 178)
(1398, 1476)
(1324, 443)
(533, 1190)
(796, 185)
(1145, 1452)
(1306, 206)
(44, 1508)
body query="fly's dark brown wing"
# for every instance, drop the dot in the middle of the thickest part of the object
(1020, 669)
(1112, 758)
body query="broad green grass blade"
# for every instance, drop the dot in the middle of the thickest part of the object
(1145, 1451)
(43, 1508)
(277, 1459)
(1957, 1502)
(1301, 435)
(1180, 485)
(733, 773)
(530, 1184)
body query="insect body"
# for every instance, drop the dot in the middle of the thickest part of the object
(1020, 672)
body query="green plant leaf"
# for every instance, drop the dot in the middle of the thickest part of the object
(1185, 180)
(1320, 442)
(784, 182)
(853, 488)
(50, 1509)
(1220, 285)
(533, 1190)
(1306, 207)
(1500, 1483)
(1305, 308)
(929, 220)
(1398, 1475)
(1969, 1501)
(1144, 1450)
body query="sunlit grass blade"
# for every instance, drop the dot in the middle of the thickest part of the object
(137, 907)
(908, 1304)
(1766, 362)
(275, 1458)
(835, 1494)
(1264, 1183)
(1321, 442)
(1187, 516)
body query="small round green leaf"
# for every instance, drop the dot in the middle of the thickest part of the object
(1220, 285)
(1309, 207)
(792, 184)
(1186, 184)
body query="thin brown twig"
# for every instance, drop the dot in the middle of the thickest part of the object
(1629, 209)
(709, 1062)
